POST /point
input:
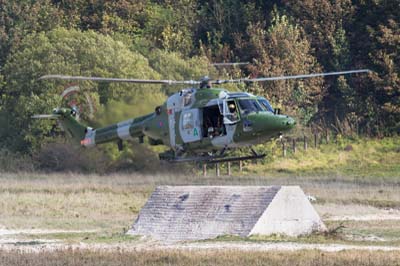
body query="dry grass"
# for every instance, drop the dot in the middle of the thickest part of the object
(117, 258)
(381, 232)
(109, 204)
(379, 195)
(69, 201)
(73, 201)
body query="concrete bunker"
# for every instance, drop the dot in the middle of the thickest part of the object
(177, 213)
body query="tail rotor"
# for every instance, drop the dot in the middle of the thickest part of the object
(75, 104)
(80, 102)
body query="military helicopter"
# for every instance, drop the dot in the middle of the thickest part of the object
(198, 124)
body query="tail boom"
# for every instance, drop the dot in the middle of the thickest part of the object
(89, 137)
(125, 130)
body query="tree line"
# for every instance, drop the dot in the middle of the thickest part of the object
(179, 39)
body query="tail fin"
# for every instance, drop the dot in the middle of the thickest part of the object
(66, 117)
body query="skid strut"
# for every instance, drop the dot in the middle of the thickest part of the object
(217, 158)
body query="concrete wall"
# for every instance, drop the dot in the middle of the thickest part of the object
(290, 213)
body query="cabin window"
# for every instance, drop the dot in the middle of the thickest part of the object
(188, 122)
(158, 110)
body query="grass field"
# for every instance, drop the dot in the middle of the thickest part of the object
(102, 208)
(299, 258)
(357, 191)
(362, 159)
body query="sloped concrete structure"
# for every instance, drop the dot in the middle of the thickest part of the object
(204, 212)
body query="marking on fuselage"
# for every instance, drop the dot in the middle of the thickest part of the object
(90, 138)
(171, 118)
(247, 125)
(123, 129)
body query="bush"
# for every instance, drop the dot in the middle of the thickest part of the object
(66, 157)
(15, 162)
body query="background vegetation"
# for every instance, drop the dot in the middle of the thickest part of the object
(178, 40)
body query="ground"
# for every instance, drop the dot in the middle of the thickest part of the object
(75, 219)
(89, 214)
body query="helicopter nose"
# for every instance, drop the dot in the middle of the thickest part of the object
(289, 122)
(269, 123)
(286, 123)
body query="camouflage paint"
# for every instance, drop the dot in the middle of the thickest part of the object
(163, 127)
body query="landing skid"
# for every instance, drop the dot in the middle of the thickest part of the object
(216, 159)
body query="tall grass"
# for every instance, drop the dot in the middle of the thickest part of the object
(363, 158)
(232, 257)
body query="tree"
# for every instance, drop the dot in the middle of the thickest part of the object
(68, 52)
(327, 25)
(123, 16)
(19, 18)
(375, 43)
(282, 49)
(322, 21)
(169, 25)
(386, 80)
(172, 65)
(222, 26)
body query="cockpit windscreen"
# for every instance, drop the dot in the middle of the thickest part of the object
(264, 102)
(249, 105)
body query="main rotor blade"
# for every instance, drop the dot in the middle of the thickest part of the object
(291, 77)
(193, 82)
(230, 64)
(53, 116)
(100, 79)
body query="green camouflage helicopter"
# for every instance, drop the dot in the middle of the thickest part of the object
(198, 124)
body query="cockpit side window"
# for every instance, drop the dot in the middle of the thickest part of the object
(249, 105)
(266, 105)
(187, 99)
(186, 95)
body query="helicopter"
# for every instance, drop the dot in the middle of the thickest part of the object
(199, 124)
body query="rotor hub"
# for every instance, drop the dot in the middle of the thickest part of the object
(205, 82)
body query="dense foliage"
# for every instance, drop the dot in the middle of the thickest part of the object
(178, 40)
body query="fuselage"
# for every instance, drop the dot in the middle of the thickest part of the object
(201, 120)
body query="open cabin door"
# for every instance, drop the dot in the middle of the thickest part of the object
(189, 125)
(229, 111)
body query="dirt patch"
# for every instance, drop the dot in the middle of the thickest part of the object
(336, 212)
(367, 217)
(7, 232)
